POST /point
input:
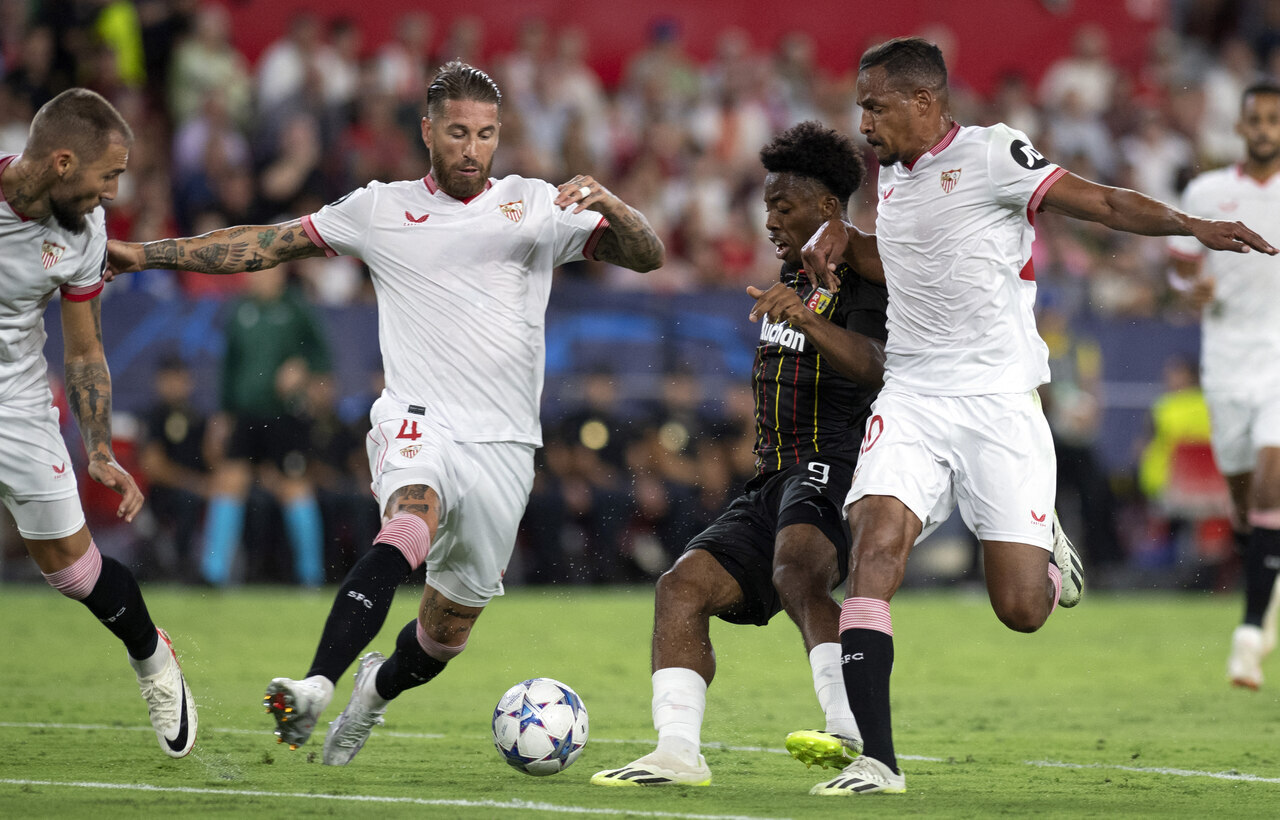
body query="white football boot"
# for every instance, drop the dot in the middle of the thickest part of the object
(1244, 666)
(1067, 560)
(830, 750)
(865, 775)
(296, 705)
(348, 733)
(656, 769)
(169, 703)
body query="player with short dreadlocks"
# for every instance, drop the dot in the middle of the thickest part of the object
(782, 544)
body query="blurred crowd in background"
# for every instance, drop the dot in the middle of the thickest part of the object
(627, 475)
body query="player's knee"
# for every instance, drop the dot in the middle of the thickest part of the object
(680, 593)
(1020, 613)
(419, 500)
(796, 581)
(881, 559)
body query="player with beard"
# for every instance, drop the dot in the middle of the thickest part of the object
(54, 239)
(782, 544)
(1240, 364)
(462, 266)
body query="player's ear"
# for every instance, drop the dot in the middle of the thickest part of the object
(426, 132)
(829, 207)
(64, 162)
(923, 98)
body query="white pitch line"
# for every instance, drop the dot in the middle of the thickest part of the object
(1242, 776)
(506, 805)
(1251, 778)
(410, 736)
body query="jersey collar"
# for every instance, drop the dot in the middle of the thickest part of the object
(946, 140)
(433, 188)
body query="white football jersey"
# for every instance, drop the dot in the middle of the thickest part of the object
(954, 230)
(1241, 328)
(37, 259)
(462, 292)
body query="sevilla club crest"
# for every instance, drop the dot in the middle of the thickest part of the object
(50, 254)
(950, 179)
(513, 210)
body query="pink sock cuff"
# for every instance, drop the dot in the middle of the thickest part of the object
(866, 613)
(79, 579)
(436, 649)
(1264, 519)
(409, 534)
(1055, 578)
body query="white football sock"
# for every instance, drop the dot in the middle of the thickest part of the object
(146, 667)
(679, 702)
(325, 685)
(828, 683)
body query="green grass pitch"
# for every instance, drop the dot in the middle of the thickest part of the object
(1118, 708)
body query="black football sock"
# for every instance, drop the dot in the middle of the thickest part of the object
(866, 663)
(359, 610)
(117, 602)
(1261, 563)
(408, 666)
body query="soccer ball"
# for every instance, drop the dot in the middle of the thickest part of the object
(540, 726)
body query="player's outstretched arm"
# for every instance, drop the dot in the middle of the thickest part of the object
(1132, 212)
(89, 395)
(629, 240)
(854, 355)
(229, 250)
(836, 241)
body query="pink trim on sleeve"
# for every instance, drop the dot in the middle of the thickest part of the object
(1043, 188)
(81, 293)
(309, 226)
(589, 249)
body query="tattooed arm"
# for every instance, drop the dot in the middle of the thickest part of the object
(89, 395)
(230, 250)
(629, 240)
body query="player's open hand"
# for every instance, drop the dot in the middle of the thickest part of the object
(582, 192)
(123, 257)
(780, 302)
(110, 474)
(824, 251)
(1230, 236)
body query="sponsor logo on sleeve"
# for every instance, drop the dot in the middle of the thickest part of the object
(1026, 156)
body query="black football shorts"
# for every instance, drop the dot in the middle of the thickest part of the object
(742, 539)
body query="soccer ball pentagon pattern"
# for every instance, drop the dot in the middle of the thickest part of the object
(540, 726)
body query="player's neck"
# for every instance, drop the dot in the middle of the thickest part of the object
(1261, 171)
(931, 139)
(23, 190)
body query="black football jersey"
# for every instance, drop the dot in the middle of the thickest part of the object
(803, 405)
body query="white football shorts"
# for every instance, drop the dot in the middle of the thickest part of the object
(37, 480)
(483, 488)
(990, 455)
(1241, 426)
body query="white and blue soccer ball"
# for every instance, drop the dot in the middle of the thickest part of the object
(540, 726)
